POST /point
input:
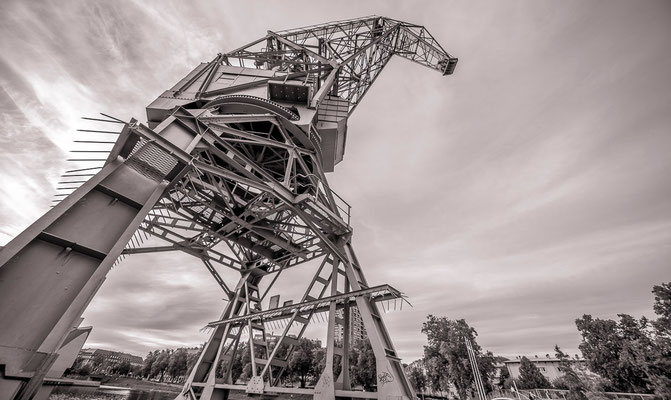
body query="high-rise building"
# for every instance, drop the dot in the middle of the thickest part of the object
(357, 331)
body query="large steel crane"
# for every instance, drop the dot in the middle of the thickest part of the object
(230, 169)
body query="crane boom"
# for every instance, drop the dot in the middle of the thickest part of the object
(321, 71)
(356, 50)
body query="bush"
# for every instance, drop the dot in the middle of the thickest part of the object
(560, 383)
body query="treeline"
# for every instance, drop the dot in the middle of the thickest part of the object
(164, 365)
(306, 362)
(628, 355)
(169, 365)
(304, 365)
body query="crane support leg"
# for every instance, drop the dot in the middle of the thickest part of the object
(50, 272)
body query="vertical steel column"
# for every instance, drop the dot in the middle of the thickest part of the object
(391, 379)
(205, 369)
(343, 381)
(325, 387)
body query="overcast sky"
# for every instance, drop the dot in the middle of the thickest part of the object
(527, 189)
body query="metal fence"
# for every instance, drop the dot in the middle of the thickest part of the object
(548, 394)
(542, 394)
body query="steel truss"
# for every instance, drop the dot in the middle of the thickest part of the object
(231, 170)
(341, 59)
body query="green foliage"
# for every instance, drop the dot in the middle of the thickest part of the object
(84, 370)
(487, 369)
(659, 366)
(662, 307)
(415, 372)
(122, 368)
(79, 367)
(301, 362)
(305, 364)
(319, 363)
(446, 356)
(633, 355)
(98, 363)
(531, 377)
(574, 384)
(504, 377)
(177, 363)
(149, 363)
(173, 364)
(238, 367)
(560, 383)
(160, 365)
(136, 370)
(191, 360)
(616, 350)
(362, 365)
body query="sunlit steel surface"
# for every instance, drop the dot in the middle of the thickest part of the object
(230, 169)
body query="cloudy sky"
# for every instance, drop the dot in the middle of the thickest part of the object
(527, 189)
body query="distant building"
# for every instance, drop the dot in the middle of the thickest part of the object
(110, 357)
(357, 331)
(549, 367)
(194, 350)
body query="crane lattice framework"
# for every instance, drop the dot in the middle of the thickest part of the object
(230, 169)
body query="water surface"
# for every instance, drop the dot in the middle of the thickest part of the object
(79, 393)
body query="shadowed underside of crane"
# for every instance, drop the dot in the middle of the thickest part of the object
(231, 170)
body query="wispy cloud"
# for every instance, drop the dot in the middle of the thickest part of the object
(523, 191)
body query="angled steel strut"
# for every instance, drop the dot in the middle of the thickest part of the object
(230, 168)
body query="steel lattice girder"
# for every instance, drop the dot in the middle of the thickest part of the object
(377, 293)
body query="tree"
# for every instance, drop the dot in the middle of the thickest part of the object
(600, 344)
(149, 363)
(662, 307)
(560, 383)
(84, 370)
(617, 350)
(122, 368)
(98, 363)
(79, 361)
(571, 380)
(659, 367)
(486, 365)
(177, 364)
(191, 359)
(160, 365)
(238, 366)
(531, 377)
(446, 356)
(633, 355)
(437, 366)
(416, 376)
(362, 365)
(504, 376)
(136, 370)
(79, 367)
(301, 360)
(319, 364)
